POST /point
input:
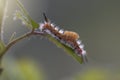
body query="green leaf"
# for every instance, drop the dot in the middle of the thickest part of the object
(69, 50)
(35, 24)
(23, 15)
(2, 48)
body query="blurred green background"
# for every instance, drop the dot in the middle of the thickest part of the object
(97, 22)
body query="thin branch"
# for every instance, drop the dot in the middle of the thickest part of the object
(20, 38)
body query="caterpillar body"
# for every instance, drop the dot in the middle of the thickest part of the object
(68, 38)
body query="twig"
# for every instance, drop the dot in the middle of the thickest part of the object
(20, 38)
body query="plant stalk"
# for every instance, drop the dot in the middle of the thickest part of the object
(2, 15)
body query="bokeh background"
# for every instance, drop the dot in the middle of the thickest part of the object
(96, 21)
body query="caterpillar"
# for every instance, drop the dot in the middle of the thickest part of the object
(68, 38)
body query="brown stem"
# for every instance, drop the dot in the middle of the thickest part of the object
(16, 40)
(20, 38)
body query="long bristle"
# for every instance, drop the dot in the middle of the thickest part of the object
(85, 60)
(45, 17)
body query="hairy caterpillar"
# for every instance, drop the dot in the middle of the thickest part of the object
(68, 38)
